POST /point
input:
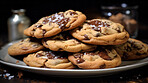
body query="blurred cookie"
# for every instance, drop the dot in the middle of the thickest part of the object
(129, 23)
(99, 59)
(65, 42)
(101, 32)
(132, 49)
(51, 25)
(49, 59)
(25, 46)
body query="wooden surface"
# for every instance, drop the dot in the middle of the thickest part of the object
(138, 75)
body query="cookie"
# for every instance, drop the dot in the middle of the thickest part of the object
(129, 23)
(101, 32)
(99, 59)
(65, 42)
(25, 46)
(132, 49)
(51, 25)
(49, 59)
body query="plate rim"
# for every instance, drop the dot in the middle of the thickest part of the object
(119, 68)
(131, 66)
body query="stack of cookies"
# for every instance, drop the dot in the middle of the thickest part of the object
(66, 40)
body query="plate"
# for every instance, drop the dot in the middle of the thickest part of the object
(6, 59)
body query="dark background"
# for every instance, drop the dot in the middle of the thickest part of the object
(39, 8)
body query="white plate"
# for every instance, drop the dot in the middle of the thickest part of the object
(11, 61)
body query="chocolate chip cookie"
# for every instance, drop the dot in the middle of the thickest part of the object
(101, 32)
(132, 49)
(25, 46)
(65, 42)
(99, 59)
(49, 59)
(51, 25)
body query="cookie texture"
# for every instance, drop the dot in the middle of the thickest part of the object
(51, 25)
(132, 49)
(99, 59)
(65, 42)
(101, 32)
(25, 46)
(49, 59)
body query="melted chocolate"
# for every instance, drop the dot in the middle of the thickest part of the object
(59, 19)
(78, 55)
(98, 34)
(96, 24)
(72, 13)
(39, 55)
(53, 55)
(38, 25)
(103, 54)
(102, 66)
(45, 21)
(80, 60)
(86, 37)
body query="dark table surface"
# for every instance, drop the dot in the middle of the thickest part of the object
(139, 75)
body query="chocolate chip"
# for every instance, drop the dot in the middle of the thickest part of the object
(44, 31)
(57, 18)
(96, 28)
(39, 55)
(24, 48)
(56, 55)
(72, 13)
(138, 54)
(39, 26)
(35, 45)
(98, 34)
(60, 49)
(118, 31)
(125, 55)
(102, 66)
(137, 47)
(78, 55)
(45, 20)
(96, 24)
(104, 55)
(86, 37)
(33, 29)
(128, 49)
(50, 57)
(80, 60)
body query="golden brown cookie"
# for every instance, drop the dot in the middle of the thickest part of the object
(99, 59)
(132, 49)
(49, 59)
(101, 32)
(25, 46)
(51, 25)
(65, 42)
